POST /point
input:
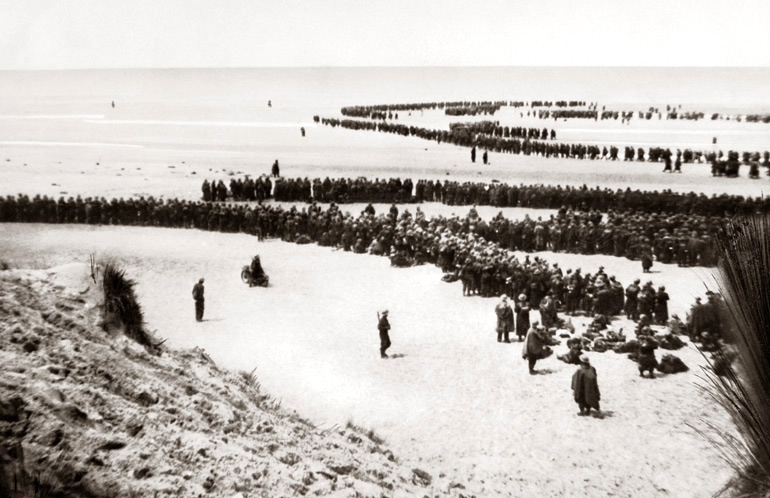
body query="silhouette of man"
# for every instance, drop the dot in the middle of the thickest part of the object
(197, 293)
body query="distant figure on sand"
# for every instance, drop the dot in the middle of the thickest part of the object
(302, 130)
(485, 157)
(113, 104)
(585, 387)
(383, 326)
(276, 171)
(473, 154)
(269, 103)
(504, 319)
(197, 294)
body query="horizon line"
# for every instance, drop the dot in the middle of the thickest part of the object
(495, 66)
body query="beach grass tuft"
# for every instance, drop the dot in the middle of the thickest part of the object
(120, 300)
(19, 480)
(369, 433)
(743, 389)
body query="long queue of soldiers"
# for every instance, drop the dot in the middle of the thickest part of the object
(241, 189)
(366, 111)
(492, 194)
(685, 239)
(672, 112)
(484, 267)
(581, 198)
(344, 190)
(493, 129)
(688, 240)
(472, 110)
(462, 135)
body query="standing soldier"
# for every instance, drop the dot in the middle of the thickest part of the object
(535, 346)
(632, 294)
(522, 316)
(585, 387)
(197, 294)
(383, 326)
(661, 306)
(485, 157)
(473, 154)
(646, 258)
(504, 319)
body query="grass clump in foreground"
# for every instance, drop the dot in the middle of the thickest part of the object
(17, 481)
(122, 308)
(373, 436)
(744, 391)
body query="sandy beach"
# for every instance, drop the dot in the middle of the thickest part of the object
(457, 400)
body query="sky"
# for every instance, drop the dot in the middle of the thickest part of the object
(77, 34)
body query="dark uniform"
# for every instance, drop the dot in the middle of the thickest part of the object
(197, 293)
(632, 294)
(384, 326)
(504, 320)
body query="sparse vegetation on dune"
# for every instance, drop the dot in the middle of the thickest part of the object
(743, 390)
(121, 306)
(369, 433)
(16, 481)
(84, 413)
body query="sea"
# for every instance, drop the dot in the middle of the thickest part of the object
(244, 119)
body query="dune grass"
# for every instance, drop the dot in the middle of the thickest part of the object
(369, 433)
(743, 390)
(120, 300)
(17, 480)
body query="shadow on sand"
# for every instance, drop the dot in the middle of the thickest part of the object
(544, 371)
(603, 414)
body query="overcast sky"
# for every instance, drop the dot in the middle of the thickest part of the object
(59, 34)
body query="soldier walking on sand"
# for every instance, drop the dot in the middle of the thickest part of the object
(197, 293)
(585, 388)
(383, 326)
(535, 346)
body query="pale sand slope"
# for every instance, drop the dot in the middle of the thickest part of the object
(457, 399)
(67, 170)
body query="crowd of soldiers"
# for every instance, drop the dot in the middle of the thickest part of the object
(685, 240)
(688, 240)
(461, 134)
